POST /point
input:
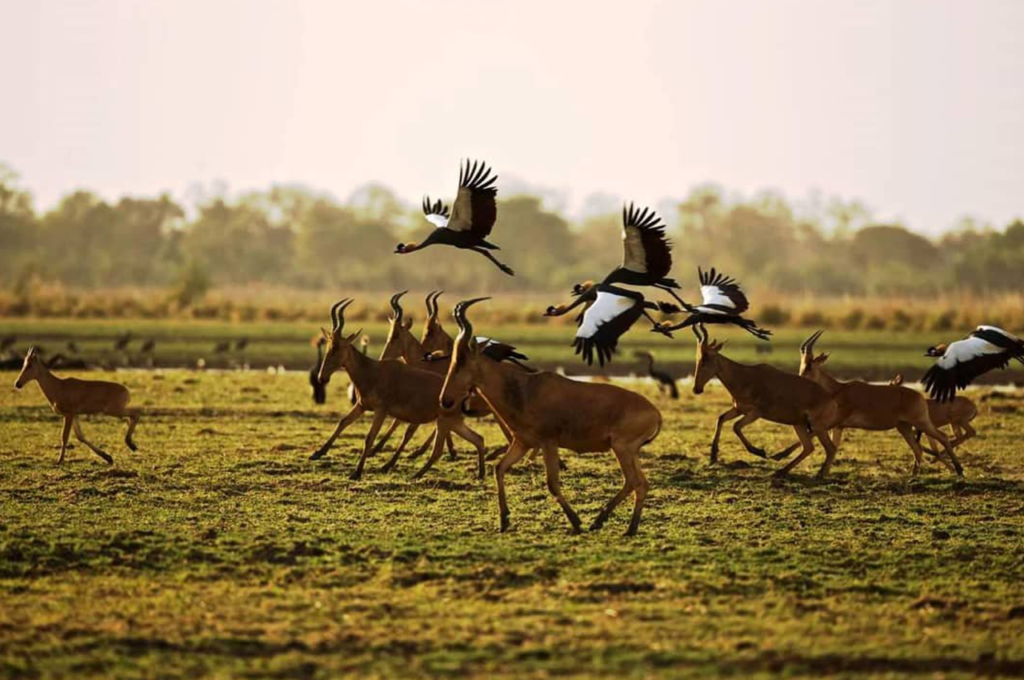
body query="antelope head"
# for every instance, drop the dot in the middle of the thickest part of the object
(707, 359)
(339, 349)
(464, 368)
(810, 365)
(30, 369)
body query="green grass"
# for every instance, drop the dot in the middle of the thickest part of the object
(219, 550)
(874, 355)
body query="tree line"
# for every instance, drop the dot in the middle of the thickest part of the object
(294, 236)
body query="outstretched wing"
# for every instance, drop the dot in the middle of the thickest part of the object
(646, 249)
(612, 313)
(436, 213)
(963, 361)
(721, 294)
(475, 208)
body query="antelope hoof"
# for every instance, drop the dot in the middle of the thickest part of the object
(631, 531)
(356, 474)
(780, 474)
(318, 454)
(959, 470)
(760, 453)
(106, 457)
(495, 453)
(131, 445)
(599, 522)
(504, 524)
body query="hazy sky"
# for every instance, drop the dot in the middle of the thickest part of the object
(916, 108)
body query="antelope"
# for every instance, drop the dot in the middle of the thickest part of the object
(763, 391)
(434, 337)
(957, 413)
(547, 411)
(387, 388)
(865, 406)
(71, 398)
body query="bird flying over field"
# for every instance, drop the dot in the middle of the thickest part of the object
(646, 252)
(470, 220)
(960, 362)
(611, 313)
(723, 301)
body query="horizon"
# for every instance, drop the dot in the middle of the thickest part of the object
(137, 100)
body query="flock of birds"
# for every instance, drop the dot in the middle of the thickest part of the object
(441, 381)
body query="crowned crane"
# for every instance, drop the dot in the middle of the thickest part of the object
(665, 381)
(319, 389)
(647, 253)
(960, 362)
(121, 343)
(611, 313)
(471, 218)
(500, 351)
(723, 302)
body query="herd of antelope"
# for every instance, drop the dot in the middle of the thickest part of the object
(447, 383)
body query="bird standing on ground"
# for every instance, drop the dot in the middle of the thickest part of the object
(471, 219)
(666, 383)
(723, 302)
(960, 362)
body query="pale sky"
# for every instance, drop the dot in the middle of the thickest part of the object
(915, 108)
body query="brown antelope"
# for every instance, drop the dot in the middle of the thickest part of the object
(434, 337)
(957, 413)
(864, 406)
(547, 411)
(71, 398)
(388, 388)
(763, 391)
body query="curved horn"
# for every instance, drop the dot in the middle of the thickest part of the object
(334, 313)
(341, 312)
(396, 306)
(428, 301)
(703, 332)
(465, 327)
(437, 295)
(808, 345)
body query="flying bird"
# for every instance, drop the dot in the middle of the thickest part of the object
(471, 219)
(723, 302)
(500, 351)
(611, 313)
(960, 362)
(647, 253)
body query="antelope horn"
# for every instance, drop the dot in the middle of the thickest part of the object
(703, 332)
(437, 295)
(334, 314)
(808, 345)
(429, 302)
(341, 312)
(465, 327)
(396, 306)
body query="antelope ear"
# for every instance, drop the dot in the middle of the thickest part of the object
(353, 337)
(407, 323)
(324, 331)
(822, 358)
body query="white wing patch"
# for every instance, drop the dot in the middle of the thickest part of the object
(965, 350)
(439, 221)
(713, 295)
(606, 307)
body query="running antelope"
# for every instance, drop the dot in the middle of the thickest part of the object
(763, 391)
(547, 411)
(864, 406)
(957, 413)
(71, 398)
(387, 388)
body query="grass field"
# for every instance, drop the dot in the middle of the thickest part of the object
(873, 355)
(219, 550)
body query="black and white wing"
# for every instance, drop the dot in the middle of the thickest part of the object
(965, 360)
(437, 213)
(720, 294)
(612, 313)
(475, 208)
(1000, 338)
(646, 249)
(498, 351)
